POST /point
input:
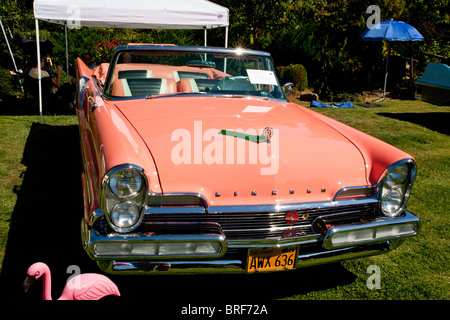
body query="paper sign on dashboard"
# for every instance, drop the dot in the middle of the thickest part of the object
(262, 77)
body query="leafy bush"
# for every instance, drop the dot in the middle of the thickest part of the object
(104, 49)
(295, 73)
(7, 87)
(327, 94)
(348, 97)
(280, 72)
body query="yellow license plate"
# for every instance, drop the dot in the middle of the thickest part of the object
(271, 259)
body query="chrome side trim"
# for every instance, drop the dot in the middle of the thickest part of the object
(259, 208)
(289, 206)
(169, 210)
(94, 216)
(83, 160)
(265, 243)
(177, 199)
(355, 191)
(82, 89)
(194, 49)
(172, 267)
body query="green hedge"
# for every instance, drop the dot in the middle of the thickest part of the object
(295, 73)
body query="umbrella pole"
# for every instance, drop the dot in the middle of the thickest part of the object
(386, 74)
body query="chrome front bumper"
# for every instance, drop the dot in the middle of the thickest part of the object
(338, 243)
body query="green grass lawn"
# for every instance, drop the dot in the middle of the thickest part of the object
(32, 160)
(419, 269)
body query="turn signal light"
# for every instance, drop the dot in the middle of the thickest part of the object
(351, 236)
(135, 249)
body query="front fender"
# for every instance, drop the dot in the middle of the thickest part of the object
(378, 155)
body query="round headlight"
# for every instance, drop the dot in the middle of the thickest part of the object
(397, 176)
(126, 183)
(125, 215)
(395, 188)
(391, 201)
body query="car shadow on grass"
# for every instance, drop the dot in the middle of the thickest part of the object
(233, 288)
(45, 222)
(25, 106)
(15, 106)
(436, 121)
(45, 226)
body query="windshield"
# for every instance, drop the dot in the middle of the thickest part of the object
(144, 73)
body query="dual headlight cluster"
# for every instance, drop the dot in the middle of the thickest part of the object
(396, 186)
(125, 189)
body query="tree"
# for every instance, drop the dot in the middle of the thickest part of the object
(254, 21)
(322, 35)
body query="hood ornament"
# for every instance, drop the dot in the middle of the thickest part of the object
(268, 133)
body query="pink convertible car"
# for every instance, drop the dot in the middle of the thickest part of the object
(194, 161)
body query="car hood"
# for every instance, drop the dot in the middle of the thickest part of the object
(216, 147)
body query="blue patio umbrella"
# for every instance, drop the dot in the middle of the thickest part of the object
(390, 30)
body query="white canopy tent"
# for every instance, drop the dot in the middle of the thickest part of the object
(142, 14)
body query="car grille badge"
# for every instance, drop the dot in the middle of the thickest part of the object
(291, 217)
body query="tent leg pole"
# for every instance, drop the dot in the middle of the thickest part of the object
(226, 37)
(226, 46)
(38, 48)
(67, 52)
(9, 48)
(11, 53)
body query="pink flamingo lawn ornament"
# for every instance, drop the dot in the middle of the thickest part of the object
(86, 286)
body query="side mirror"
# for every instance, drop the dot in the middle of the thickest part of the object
(287, 88)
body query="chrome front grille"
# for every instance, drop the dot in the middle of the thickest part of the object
(256, 225)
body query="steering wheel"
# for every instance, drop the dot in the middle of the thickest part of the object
(238, 83)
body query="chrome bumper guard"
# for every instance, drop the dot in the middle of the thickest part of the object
(145, 254)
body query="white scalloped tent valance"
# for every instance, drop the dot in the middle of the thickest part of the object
(143, 14)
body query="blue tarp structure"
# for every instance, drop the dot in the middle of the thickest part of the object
(436, 75)
(436, 84)
(339, 105)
